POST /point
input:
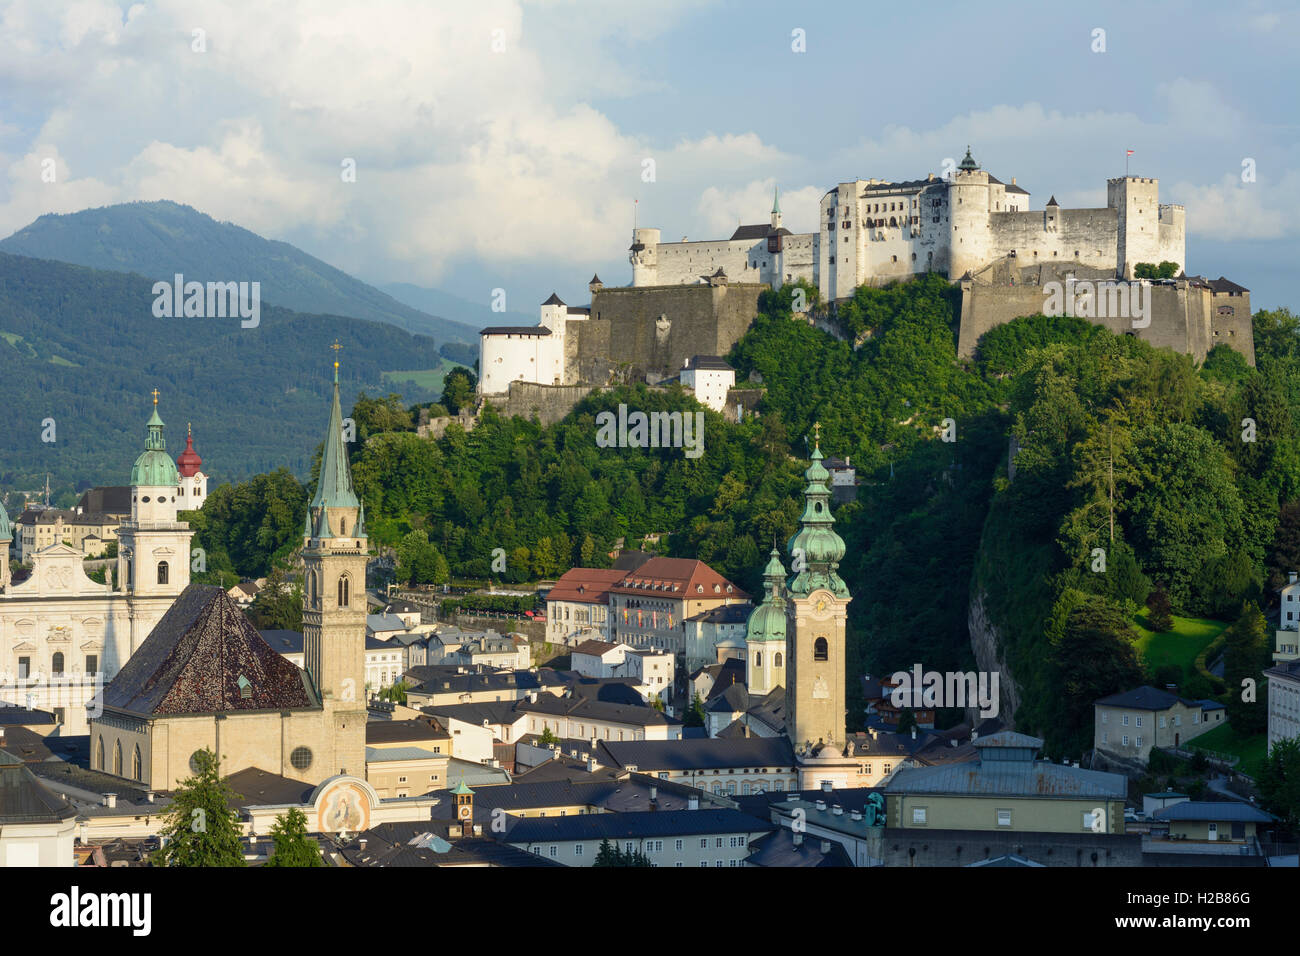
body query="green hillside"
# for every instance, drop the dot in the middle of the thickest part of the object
(83, 347)
(160, 239)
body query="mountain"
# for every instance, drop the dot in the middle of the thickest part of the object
(462, 310)
(83, 347)
(160, 239)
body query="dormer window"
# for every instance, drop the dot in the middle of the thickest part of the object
(245, 688)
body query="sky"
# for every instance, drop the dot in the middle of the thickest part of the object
(509, 145)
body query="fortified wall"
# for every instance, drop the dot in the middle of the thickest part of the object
(646, 333)
(1189, 315)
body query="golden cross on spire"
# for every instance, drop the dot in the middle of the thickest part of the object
(336, 349)
(817, 432)
(155, 396)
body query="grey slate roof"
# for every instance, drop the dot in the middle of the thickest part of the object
(1150, 698)
(23, 799)
(778, 849)
(1220, 811)
(192, 661)
(1009, 779)
(253, 787)
(706, 753)
(654, 823)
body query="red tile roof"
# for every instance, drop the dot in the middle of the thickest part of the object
(588, 585)
(682, 577)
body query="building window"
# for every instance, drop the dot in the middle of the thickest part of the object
(918, 815)
(1004, 818)
(24, 667)
(137, 765)
(56, 664)
(117, 758)
(301, 758)
(343, 591)
(678, 845)
(577, 849)
(821, 650)
(162, 572)
(1124, 720)
(99, 753)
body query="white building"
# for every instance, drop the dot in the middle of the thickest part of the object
(709, 378)
(62, 635)
(598, 659)
(1283, 701)
(528, 353)
(652, 670)
(577, 608)
(1287, 640)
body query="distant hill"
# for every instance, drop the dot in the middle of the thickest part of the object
(438, 302)
(82, 346)
(160, 239)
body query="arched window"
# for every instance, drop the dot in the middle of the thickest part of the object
(137, 765)
(56, 664)
(821, 651)
(162, 572)
(343, 591)
(99, 753)
(776, 661)
(117, 757)
(758, 658)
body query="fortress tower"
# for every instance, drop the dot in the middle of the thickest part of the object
(1146, 233)
(644, 256)
(968, 229)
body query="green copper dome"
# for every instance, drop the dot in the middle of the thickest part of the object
(767, 621)
(815, 548)
(155, 467)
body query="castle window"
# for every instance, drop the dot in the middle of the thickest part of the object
(117, 758)
(821, 650)
(56, 664)
(162, 572)
(99, 753)
(776, 661)
(758, 658)
(137, 768)
(343, 591)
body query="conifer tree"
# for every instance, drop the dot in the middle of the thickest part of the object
(201, 829)
(292, 845)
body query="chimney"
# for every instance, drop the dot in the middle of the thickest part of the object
(826, 846)
(692, 802)
(913, 731)
(110, 800)
(593, 741)
(591, 765)
(837, 810)
(797, 839)
(1013, 180)
(532, 697)
(855, 815)
(654, 793)
(1291, 577)
(149, 796)
(821, 806)
(362, 843)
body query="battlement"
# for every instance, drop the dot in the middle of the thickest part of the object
(1132, 179)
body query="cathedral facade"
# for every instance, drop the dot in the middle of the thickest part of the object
(64, 636)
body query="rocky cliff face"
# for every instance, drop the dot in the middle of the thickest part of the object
(986, 643)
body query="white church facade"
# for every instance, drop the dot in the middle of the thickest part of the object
(64, 636)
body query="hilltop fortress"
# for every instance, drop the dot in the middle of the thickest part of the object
(698, 298)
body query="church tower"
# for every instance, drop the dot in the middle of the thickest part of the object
(153, 555)
(334, 600)
(765, 634)
(818, 601)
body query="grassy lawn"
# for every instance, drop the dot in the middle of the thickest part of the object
(1179, 646)
(1252, 750)
(430, 378)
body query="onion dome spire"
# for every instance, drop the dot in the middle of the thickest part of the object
(189, 462)
(816, 548)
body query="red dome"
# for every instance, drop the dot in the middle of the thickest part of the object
(189, 461)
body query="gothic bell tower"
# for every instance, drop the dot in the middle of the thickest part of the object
(334, 599)
(817, 602)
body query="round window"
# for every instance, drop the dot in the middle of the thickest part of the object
(145, 499)
(300, 758)
(194, 762)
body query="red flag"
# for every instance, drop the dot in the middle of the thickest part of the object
(1130, 152)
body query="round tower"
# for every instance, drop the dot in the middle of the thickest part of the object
(968, 218)
(644, 256)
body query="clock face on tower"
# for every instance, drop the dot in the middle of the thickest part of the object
(464, 811)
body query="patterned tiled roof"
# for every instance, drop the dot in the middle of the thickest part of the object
(192, 662)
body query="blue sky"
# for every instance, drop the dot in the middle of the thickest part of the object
(517, 167)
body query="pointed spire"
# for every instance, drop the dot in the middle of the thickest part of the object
(776, 200)
(360, 531)
(306, 524)
(323, 524)
(334, 490)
